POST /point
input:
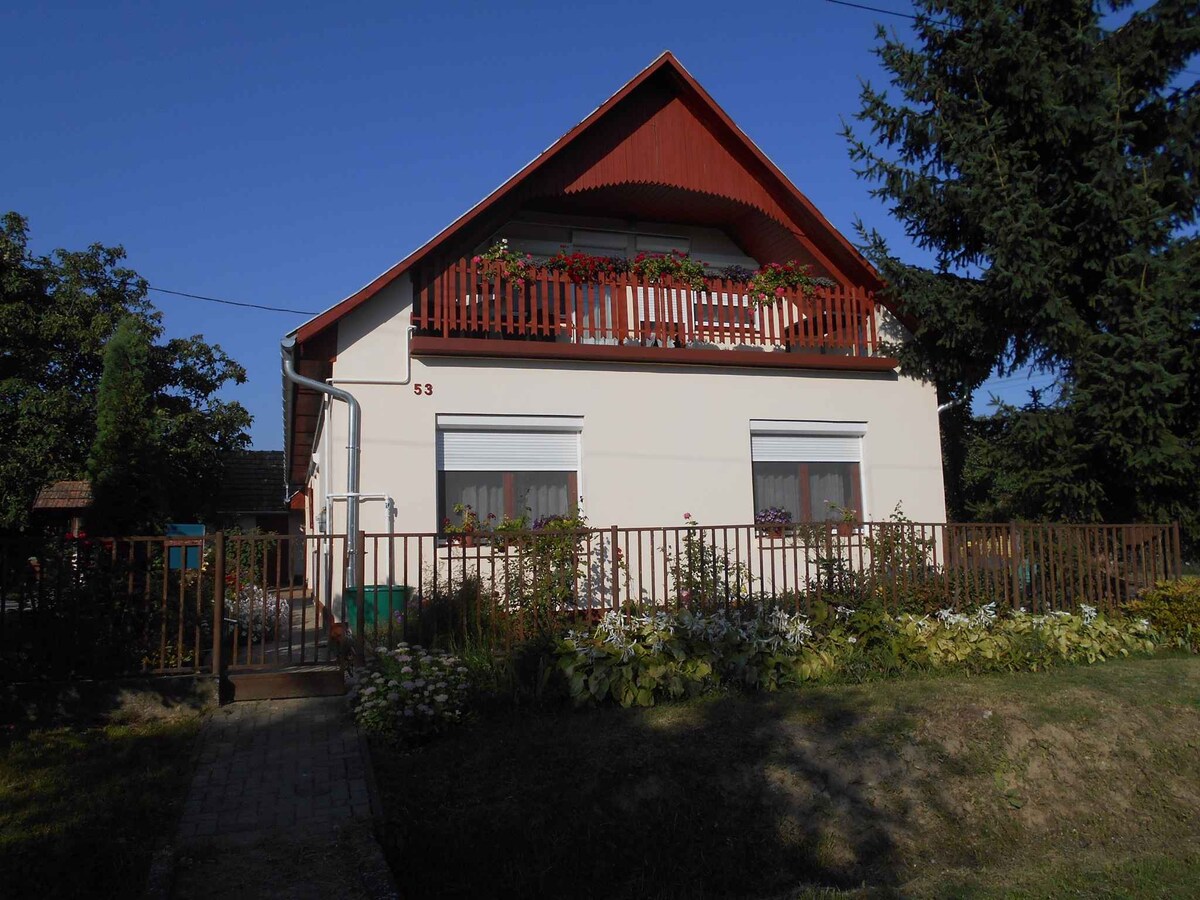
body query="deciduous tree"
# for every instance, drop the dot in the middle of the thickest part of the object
(57, 314)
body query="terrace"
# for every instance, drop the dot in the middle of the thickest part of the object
(474, 307)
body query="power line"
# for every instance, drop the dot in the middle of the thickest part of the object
(282, 309)
(1007, 386)
(876, 9)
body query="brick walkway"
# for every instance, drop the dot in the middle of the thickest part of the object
(269, 764)
(279, 807)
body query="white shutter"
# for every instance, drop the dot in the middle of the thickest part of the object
(506, 451)
(805, 448)
(673, 304)
(662, 243)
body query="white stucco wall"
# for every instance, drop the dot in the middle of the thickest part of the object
(657, 441)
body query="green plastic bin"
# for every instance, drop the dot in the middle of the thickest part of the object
(377, 603)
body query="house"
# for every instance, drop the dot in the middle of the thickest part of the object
(526, 360)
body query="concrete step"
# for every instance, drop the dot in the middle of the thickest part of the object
(282, 683)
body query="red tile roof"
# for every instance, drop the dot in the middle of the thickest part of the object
(64, 495)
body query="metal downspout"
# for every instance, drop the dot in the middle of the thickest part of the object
(353, 450)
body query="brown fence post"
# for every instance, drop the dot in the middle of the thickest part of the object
(616, 569)
(360, 577)
(1176, 551)
(218, 660)
(1014, 563)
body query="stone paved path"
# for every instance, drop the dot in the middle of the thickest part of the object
(267, 764)
(279, 784)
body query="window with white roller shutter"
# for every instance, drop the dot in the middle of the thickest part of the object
(812, 470)
(507, 467)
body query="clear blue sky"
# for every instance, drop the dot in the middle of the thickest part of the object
(285, 154)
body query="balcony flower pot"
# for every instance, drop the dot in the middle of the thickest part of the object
(773, 522)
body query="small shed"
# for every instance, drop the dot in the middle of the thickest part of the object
(64, 504)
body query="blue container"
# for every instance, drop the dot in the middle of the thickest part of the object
(181, 552)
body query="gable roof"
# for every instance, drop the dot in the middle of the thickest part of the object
(252, 481)
(772, 193)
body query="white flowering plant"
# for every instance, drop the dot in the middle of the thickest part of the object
(635, 659)
(408, 692)
(258, 613)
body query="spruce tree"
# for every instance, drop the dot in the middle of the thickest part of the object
(1049, 164)
(123, 461)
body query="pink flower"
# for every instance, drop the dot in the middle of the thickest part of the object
(779, 291)
(476, 260)
(687, 515)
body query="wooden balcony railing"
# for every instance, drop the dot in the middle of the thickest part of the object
(476, 300)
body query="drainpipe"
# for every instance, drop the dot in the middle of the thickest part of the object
(353, 449)
(953, 403)
(408, 334)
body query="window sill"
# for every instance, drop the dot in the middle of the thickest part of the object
(794, 533)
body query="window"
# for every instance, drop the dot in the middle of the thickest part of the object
(813, 470)
(508, 466)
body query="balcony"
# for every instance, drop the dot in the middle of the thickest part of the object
(475, 309)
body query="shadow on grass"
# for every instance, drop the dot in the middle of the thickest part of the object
(100, 701)
(727, 796)
(81, 809)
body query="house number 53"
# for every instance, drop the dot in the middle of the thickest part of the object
(426, 389)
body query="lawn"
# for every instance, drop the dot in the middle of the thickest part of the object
(1081, 781)
(83, 808)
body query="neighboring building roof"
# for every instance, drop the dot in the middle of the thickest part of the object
(69, 495)
(253, 482)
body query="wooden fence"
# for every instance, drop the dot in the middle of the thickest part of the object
(481, 300)
(102, 607)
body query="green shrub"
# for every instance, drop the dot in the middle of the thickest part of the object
(1173, 608)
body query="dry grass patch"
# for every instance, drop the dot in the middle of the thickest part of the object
(923, 786)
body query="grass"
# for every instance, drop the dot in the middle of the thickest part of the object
(82, 808)
(1075, 782)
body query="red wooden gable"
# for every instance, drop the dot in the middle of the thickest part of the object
(660, 149)
(661, 130)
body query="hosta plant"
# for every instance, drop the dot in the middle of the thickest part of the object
(1019, 641)
(637, 660)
